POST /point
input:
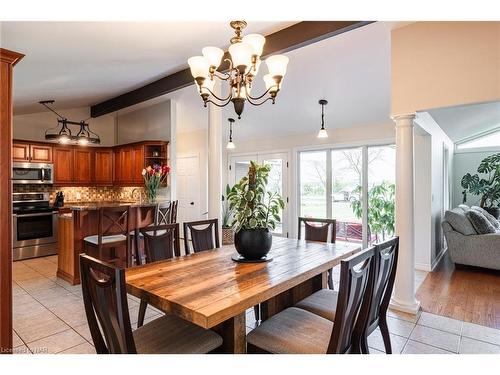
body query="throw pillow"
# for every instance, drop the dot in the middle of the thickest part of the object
(480, 223)
(488, 216)
(459, 222)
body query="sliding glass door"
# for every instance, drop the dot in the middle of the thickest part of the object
(381, 192)
(347, 168)
(334, 183)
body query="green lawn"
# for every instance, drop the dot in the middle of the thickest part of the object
(315, 206)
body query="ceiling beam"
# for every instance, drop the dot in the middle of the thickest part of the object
(296, 36)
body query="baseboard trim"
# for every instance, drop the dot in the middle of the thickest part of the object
(412, 308)
(430, 267)
(438, 258)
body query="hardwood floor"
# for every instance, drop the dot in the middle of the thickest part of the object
(463, 293)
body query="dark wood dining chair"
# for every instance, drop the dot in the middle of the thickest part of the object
(160, 243)
(325, 230)
(106, 307)
(375, 304)
(166, 213)
(112, 233)
(206, 238)
(374, 309)
(298, 331)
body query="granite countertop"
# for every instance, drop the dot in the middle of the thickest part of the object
(84, 206)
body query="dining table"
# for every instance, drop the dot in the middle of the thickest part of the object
(213, 291)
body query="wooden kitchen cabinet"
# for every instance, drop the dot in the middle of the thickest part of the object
(137, 164)
(103, 166)
(63, 165)
(31, 152)
(76, 165)
(40, 153)
(82, 161)
(21, 152)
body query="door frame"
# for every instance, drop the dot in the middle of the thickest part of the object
(287, 186)
(195, 155)
(8, 59)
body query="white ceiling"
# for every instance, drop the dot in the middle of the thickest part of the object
(468, 120)
(82, 63)
(351, 70)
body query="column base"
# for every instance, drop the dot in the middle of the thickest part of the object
(410, 308)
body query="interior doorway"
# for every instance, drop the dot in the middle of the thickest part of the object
(188, 189)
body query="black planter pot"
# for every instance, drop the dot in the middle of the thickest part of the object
(495, 211)
(253, 244)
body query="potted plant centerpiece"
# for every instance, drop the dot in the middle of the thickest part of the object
(487, 186)
(256, 213)
(227, 215)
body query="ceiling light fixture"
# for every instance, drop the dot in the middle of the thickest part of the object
(230, 144)
(64, 135)
(322, 132)
(244, 62)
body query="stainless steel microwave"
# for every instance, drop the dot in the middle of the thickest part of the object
(32, 173)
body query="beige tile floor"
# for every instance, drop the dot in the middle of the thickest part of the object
(49, 317)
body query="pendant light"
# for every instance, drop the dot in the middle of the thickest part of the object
(230, 144)
(63, 134)
(322, 132)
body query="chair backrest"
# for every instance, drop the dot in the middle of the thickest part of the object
(161, 242)
(166, 213)
(113, 221)
(201, 239)
(385, 260)
(356, 275)
(319, 232)
(105, 300)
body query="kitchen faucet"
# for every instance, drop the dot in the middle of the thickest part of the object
(140, 194)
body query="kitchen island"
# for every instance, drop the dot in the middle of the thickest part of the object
(79, 220)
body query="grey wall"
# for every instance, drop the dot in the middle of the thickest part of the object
(149, 123)
(467, 162)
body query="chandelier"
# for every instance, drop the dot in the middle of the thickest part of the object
(244, 62)
(62, 132)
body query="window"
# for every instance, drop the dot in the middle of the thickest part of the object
(331, 186)
(491, 139)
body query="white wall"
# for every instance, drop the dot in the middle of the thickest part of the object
(149, 123)
(32, 126)
(429, 191)
(467, 161)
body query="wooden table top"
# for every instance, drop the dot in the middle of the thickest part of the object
(208, 288)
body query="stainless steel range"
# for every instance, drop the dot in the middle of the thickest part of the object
(34, 226)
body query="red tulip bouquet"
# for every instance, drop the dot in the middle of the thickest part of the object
(153, 176)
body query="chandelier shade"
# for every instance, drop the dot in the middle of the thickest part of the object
(213, 56)
(199, 66)
(241, 54)
(244, 62)
(277, 65)
(257, 42)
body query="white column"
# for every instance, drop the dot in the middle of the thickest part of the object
(403, 298)
(215, 158)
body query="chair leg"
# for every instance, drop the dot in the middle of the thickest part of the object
(364, 345)
(256, 310)
(142, 313)
(385, 334)
(330, 279)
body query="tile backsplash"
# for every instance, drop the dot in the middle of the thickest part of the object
(85, 193)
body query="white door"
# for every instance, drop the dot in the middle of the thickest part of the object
(188, 189)
(278, 179)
